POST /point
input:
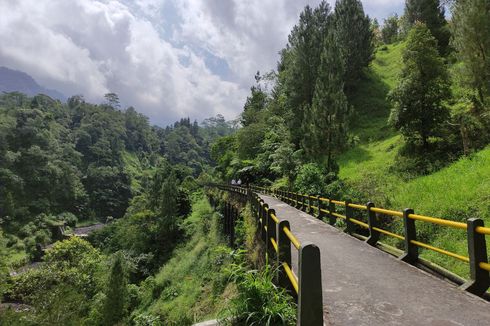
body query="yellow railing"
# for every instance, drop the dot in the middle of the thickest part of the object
(324, 207)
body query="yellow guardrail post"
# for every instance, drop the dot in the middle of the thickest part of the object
(310, 298)
(331, 209)
(263, 232)
(411, 255)
(477, 251)
(284, 256)
(271, 234)
(349, 213)
(373, 223)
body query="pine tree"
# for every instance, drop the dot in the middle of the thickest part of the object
(116, 292)
(471, 39)
(355, 37)
(423, 87)
(326, 126)
(431, 13)
(300, 62)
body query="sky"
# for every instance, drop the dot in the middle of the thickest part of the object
(167, 58)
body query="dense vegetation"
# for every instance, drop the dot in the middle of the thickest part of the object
(391, 113)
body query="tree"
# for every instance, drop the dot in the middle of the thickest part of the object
(327, 117)
(112, 99)
(254, 105)
(471, 30)
(432, 14)
(114, 306)
(390, 30)
(299, 64)
(354, 36)
(423, 86)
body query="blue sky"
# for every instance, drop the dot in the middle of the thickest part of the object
(167, 58)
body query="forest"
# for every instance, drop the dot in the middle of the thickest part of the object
(391, 112)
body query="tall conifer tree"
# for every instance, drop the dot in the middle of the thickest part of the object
(326, 127)
(432, 14)
(355, 37)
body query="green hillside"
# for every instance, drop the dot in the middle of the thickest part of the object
(457, 192)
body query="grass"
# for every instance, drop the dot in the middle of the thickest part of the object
(369, 99)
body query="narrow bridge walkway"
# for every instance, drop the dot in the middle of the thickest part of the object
(363, 285)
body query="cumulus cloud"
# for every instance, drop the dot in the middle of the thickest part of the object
(168, 58)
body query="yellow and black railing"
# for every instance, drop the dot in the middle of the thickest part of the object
(279, 240)
(332, 209)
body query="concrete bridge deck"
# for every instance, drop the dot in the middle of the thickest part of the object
(363, 285)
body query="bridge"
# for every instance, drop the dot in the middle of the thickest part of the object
(361, 284)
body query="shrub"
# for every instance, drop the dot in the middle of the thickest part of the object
(259, 301)
(310, 179)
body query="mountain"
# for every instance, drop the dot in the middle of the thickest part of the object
(14, 80)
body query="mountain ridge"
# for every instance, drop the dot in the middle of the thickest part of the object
(18, 81)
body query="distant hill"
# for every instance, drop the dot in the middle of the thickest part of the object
(14, 80)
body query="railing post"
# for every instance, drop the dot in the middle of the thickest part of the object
(232, 226)
(477, 250)
(373, 223)
(320, 214)
(349, 213)
(310, 208)
(411, 251)
(310, 299)
(264, 223)
(259, 212)
(271, 233)
(297, 204)
(331, 209)
(284, 256)
(303, 202)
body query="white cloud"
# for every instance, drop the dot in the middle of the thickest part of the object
(153, 53)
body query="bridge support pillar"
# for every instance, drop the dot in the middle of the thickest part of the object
(477, 250)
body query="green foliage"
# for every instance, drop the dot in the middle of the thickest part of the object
(418, 99)
(116, 292)
(326, 122)
(259, 301)
(354, 38)
(189, 287)
(431, 13)
(60, 289)
(310, 179)
(390, 30)
(471, 27)
(300, 60)
(3, 264)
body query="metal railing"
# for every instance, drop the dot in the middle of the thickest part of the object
(279, 241)
(328, 208)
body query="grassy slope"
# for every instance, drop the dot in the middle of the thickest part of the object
(191, 286)
(457, 192)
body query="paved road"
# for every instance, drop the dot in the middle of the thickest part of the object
(363, 285)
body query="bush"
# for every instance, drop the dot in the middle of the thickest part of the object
(69, 218)
(310, 179)
(259, 301)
